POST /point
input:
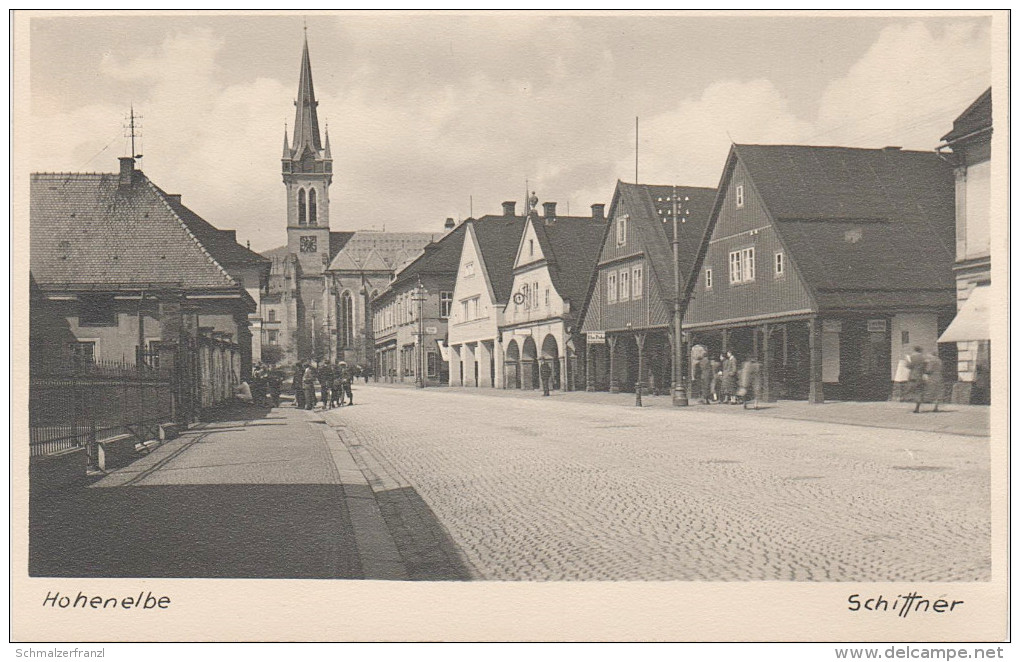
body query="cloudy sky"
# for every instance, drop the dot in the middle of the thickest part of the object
(427, 111)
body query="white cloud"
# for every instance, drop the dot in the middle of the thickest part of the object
(474, 109)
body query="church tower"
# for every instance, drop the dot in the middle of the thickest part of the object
(307, 173)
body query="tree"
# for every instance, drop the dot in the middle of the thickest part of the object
(272, 354)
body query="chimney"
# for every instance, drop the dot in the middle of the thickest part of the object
(449, 225)
(509, 208)
(127, 169)
(550, 209)
(174, 198)
(598, 211)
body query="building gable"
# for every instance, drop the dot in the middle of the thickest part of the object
(530, 249)
(741, 223)
(474, 301)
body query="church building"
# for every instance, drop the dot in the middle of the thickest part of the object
(311, 310)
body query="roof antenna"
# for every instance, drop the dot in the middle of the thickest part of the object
(637, 146)
(133, 129)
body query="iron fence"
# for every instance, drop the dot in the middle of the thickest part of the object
(73, 404)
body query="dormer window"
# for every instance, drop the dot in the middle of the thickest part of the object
(469, 270)
(621, 230)
(740, 196)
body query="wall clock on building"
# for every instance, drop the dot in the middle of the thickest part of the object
(308, 244)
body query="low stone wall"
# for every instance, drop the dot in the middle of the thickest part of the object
(116, 451)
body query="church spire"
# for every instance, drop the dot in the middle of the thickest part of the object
(306, 120)
(329, 154)
(286, 145)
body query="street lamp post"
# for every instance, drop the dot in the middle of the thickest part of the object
(419, 295)
(679, 367)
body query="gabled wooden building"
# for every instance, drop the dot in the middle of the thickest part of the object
(829, 263)
(628, 314)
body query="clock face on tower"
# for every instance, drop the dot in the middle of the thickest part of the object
(308, 245)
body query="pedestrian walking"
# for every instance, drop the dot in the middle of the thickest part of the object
(729, 378)
(275, 380)
(545, 372)
(298, 385)
(345, 384)
(932, 381)
(750, 381)
(308, 382)
(915, 364)
(326, 381)
(706, 376)
(715, 389)
(336, 391)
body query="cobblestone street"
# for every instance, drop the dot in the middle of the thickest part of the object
(532, 488)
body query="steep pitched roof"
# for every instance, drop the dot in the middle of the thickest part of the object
(441, 257)
(571, 245)
(88, 232)
(222, 244)
(880, 221)
(498, 237)
(387, 251)
(651, 209)
(977, 116)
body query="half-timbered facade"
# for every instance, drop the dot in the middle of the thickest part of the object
(829, 263)
(627, 320)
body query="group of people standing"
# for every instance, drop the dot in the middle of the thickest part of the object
(723, 383)
(265, 381)
(334, 383)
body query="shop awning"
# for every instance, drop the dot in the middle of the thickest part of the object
(971, 322)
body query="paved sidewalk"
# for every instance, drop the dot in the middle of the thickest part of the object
(251, 493)
(969, 420)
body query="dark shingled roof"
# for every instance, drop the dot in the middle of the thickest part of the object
(571, 245)
(222, 244)
(498, 239)
(87, 231)
(440, 257)
(977, 116)
(880, 221)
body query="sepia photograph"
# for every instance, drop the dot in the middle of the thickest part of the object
(459, 304)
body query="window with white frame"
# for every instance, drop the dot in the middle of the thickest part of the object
(534, 294)
(637, 278)
(740, 196)
(708, 279)
(547, 297)
(473, 308)
(621, 230)
(624, 284)
(780, 264)
(742, 266)
(445, 304)
(611, 287)
(526, 291)
(469, 270)
(464, 311)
